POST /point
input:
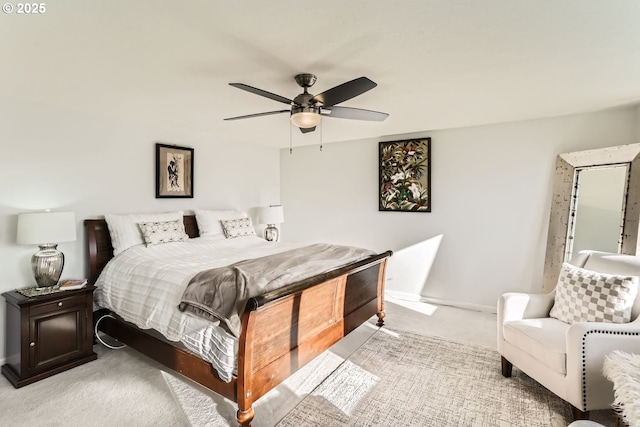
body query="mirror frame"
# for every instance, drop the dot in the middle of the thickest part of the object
(566, 165)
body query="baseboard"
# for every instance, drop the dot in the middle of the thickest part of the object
(404, 296)
(460, 304)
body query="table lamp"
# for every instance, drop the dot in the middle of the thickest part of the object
(271, 215)
(46, 229)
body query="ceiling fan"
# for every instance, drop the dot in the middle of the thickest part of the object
(307, 109)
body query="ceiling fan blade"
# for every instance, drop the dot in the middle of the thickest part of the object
(268, 113)
(261, 92)
(307, 130)
(354, 114)
(344, 91)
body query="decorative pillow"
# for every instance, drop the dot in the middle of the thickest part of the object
(209, 221)
(587, 296)
(158, 232)
(124, 229)
(238, 227)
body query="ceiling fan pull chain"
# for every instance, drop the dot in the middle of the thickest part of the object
(321, 126)
(290, 139)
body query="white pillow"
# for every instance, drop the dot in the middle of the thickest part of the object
(238, 227)
(209, 221)
(157, 232)
(125, 231)
(588, 296)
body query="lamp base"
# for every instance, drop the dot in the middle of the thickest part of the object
(47, 265)
(271, 233)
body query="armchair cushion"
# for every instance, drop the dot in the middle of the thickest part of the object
(587, 296)
(543, 339)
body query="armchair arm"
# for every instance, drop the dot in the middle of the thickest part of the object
(587, 345)
(517, 306)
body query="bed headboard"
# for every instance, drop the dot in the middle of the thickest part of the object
(100, 250)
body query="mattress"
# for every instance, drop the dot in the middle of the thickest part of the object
(144, 285)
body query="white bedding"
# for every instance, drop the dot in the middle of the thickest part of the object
(144, 286)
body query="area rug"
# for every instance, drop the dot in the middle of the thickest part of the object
(399, 378)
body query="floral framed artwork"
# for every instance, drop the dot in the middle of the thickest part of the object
(174, 171)
(405, 175)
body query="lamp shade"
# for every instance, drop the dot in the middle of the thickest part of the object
(271, 215)
(46, 227)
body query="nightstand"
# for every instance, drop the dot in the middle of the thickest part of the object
(47, 334)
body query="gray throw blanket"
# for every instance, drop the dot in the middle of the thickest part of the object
(222, 293)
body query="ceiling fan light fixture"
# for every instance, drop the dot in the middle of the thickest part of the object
(305, 117)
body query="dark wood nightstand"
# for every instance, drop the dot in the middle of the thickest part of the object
(47, 334)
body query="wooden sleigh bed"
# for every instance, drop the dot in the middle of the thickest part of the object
(281, 331)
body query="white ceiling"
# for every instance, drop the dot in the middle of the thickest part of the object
(438, 64)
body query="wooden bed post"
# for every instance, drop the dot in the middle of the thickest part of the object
(244, 398)
(381, 278)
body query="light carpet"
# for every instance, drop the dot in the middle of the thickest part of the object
(120, 388)
(413, 380)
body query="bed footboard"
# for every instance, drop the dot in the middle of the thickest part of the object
(284, 330)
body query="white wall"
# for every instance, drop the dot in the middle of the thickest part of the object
(491, 188)
(75, 161)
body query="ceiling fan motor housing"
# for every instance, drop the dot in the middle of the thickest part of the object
(304, 99)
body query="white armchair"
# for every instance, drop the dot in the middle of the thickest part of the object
(567, 359)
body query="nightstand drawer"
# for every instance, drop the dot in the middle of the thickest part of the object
(59, 304)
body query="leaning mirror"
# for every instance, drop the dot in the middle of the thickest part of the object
(596, 216)
(595, 205)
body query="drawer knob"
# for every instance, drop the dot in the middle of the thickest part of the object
(60, 304)
(32, 344)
